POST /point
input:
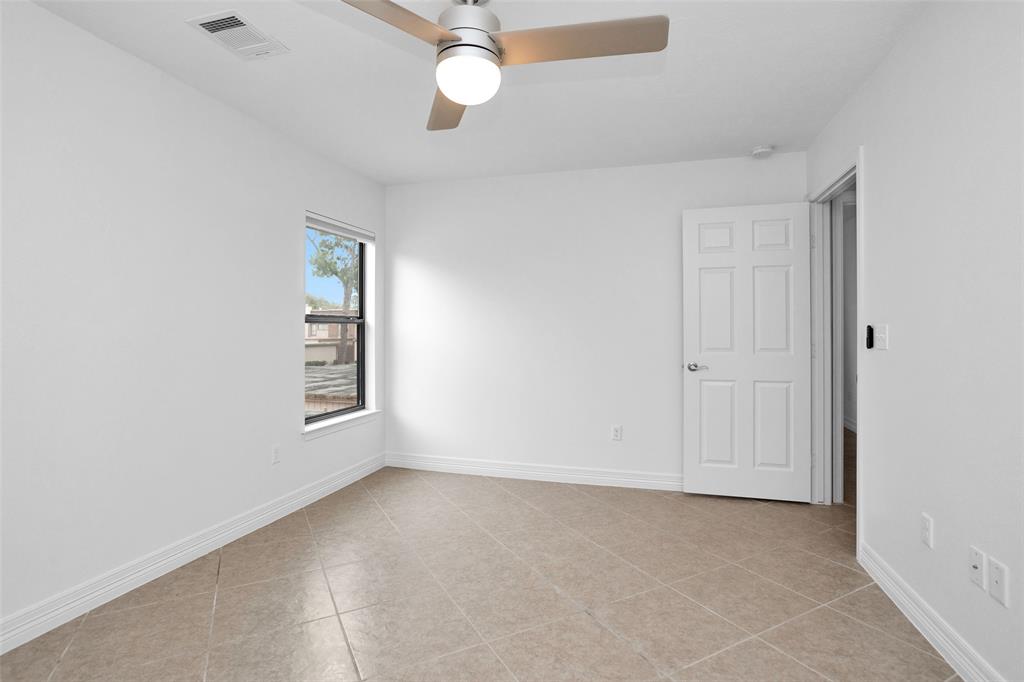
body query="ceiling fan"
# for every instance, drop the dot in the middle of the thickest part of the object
(472, 48)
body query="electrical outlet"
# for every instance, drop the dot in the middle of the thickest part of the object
(275, 455)
(999, 581)
(927, 531)
(976, 566)
(617, 432)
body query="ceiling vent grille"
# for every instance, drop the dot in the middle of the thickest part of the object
(236, 34)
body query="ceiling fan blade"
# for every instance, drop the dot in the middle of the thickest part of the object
(578, 41)
(403, 19)
(445, 114)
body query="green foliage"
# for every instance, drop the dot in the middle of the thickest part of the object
(315, 363)
(336, 257)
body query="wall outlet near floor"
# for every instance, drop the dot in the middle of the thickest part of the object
(927, 530)
(275, 455)
(999, 582)
(616, 431)
(976, 566)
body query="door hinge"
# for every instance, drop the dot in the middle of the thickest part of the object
(814, 242)
(814, 351)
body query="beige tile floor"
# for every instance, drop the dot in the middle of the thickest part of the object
(425, 576)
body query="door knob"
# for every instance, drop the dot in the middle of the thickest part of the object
(694, 367)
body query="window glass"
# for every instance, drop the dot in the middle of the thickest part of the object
(334, 376)
(332, 273)
(332, 370)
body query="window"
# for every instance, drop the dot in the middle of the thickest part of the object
(335, 326)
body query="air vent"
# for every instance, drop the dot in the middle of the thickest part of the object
(236, 34)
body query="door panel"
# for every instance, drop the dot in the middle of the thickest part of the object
(718, 423)
(717, 309)
(773, 425)
(746, 313)
(773, 320)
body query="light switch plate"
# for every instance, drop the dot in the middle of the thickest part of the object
(881, 337)
(927, 531)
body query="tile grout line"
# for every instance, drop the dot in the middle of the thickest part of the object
(828, 559)
(699, 513)
(790, 589)
(443, 588)
(213, 615)
(580, 490)
(432, 659)
(819, 604)
(67, 646)
(584, 608)
(758, 635)
(794, 658)
(587, 609)
(782, 545)
(276, 576)
(440, 584)
(735, 563)
(728, 562)
(632, 645)
(525, 562)
(750, 636)
(330, 592)
(825, 605)
(878, 629)
(753, 638)
(661, 584)
(533, 569)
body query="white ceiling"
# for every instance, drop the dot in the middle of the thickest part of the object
(734, 75)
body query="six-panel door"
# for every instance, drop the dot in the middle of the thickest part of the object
(746, 315)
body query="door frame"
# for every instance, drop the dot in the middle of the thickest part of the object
(827, 338)
(837, 313)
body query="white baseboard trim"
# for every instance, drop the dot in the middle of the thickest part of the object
(43, 616)
(850, 424)
(537, 472)
(967, 662)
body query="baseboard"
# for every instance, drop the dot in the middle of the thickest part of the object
(967, 662)
(42, 617)
(851, 424)
(537, 472)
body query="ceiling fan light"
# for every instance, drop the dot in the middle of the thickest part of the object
(470, 76)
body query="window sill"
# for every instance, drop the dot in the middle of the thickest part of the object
(345, 421)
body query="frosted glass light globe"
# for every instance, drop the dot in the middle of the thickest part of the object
(467, 78)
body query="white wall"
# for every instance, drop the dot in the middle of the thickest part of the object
(143, 222)
(940, 413)
(527, 314)
(851, 335)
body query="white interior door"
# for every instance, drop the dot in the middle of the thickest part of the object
(747, 345)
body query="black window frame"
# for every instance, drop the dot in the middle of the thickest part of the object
(360, 321)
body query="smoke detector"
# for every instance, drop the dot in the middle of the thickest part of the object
(762, 151)
(236, 34)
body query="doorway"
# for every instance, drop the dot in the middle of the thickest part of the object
(836, 228)
(765, 392)
(843, 226)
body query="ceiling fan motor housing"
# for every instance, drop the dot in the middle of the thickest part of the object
(474, 25)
